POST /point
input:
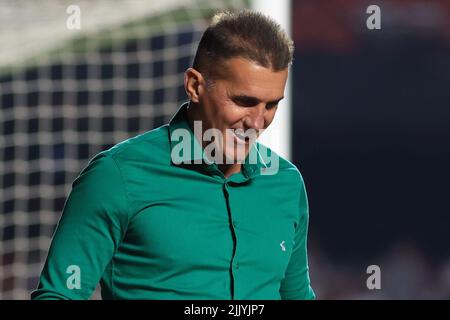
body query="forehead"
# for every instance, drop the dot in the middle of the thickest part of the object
(243, 76)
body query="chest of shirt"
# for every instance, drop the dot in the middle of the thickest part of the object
(202, 222)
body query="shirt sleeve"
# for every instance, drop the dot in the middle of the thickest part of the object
(296, 284)
(90, 230)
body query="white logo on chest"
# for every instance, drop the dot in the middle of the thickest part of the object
(283, 248)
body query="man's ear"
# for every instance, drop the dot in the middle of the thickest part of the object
(193, 84)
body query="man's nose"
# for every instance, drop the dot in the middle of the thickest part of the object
(255, 120)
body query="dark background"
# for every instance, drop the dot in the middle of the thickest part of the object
(372, 128)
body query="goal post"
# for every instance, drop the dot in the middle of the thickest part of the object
(278, 135)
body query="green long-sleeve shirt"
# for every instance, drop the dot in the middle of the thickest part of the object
(149, 228)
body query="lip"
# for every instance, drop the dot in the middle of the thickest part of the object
(240, 141)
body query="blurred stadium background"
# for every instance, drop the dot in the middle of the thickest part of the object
(370, 126)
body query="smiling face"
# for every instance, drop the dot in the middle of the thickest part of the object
(244, 97)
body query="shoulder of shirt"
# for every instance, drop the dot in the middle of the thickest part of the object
(145, 144)
(285, 166)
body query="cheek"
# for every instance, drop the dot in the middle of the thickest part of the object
(232, 114)
(221, 111)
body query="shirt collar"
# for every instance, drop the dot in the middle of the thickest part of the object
(196, 157)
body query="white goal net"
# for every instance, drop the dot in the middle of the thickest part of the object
(68, 93)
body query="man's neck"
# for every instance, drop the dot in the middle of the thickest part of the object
(230, 169)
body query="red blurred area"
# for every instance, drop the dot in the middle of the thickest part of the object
(337, 25)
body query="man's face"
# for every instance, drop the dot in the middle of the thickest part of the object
(245, 98)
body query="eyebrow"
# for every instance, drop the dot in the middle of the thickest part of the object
(252, 100)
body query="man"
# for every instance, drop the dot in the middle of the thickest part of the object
(195, 209)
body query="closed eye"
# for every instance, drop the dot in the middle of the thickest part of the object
(271, 105)
(247, 101)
